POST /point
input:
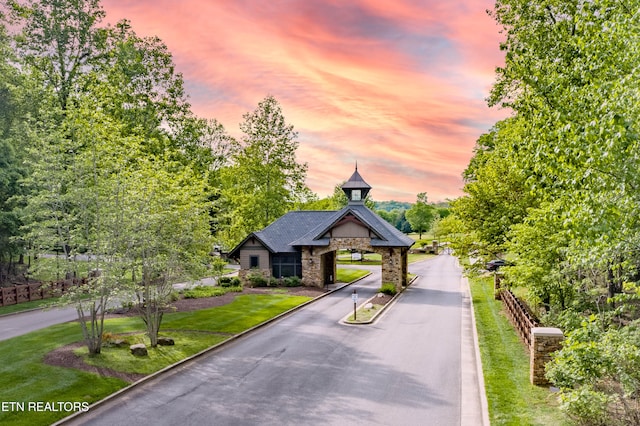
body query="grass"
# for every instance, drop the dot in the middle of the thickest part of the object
(512, 399)
(417, 257)
(364, 315)
(26, 306)
(24, 377)
(120, 359)
(209, 291)
(367, 259)
(349, 275)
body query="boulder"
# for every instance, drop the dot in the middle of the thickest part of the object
(368, 305)
(166, 341)
(139, 349)
(119, 343)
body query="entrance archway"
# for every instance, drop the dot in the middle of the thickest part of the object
(319, 265)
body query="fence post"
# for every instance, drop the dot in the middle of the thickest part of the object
(497, 279)
(544, 341)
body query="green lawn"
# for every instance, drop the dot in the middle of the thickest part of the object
(26, 306)
(505, 363)
(348, 275)
(24, 377)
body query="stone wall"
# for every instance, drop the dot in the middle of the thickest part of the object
(544, 341)
(394, 261)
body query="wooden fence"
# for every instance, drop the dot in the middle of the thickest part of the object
(28, 292)
(519, 315)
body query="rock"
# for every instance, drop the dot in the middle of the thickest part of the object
(166, 341)
(119, 343)
(139, 349)
(380, 295)
(368, 306)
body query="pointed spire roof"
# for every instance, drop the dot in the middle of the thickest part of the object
(356, 181)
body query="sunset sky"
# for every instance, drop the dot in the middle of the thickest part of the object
(397, 85)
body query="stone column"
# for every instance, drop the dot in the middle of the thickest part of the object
(544, 341)
(392, 267)
(311, 268)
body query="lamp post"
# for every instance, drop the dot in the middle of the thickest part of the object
(354, 297)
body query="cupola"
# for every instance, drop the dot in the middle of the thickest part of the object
(356, 188)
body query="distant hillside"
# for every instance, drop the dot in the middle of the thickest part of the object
(392, 205)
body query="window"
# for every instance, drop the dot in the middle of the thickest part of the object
(287, 265)
(254, 262)
(356, 195)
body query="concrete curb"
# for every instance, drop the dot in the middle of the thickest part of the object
(123, 391)
(381, 311)
(483, 393)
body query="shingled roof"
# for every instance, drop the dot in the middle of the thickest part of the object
(279, 234)
(307, 228)
(387, 235)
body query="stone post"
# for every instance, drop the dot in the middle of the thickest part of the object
(544, 341)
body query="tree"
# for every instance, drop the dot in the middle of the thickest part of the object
(117, 163)
(420, 215)
(11, 161)
(59, 38)
(265, 180)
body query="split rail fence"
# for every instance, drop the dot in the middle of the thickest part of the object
(517, 311)
(28, 292)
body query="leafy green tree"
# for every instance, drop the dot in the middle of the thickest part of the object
(420, 215)
(265, 180)
(11, 161)
(118, 166)
(58, 39)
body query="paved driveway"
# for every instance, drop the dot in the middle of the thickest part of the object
(414, 366)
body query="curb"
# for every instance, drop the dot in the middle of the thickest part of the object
(381, 311)
(77, 415)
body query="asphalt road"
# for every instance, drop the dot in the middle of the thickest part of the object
(24, 322)
(414, 366)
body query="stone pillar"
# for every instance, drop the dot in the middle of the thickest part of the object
(544, 341)
(311, 268)
(392, 267)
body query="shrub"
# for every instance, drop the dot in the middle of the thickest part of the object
(389, 289)
(257, 280)
(229, 282)
(292, 281)
(598, 373)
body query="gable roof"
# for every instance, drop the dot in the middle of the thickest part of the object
(308, 228)
(387, 234)
(277, 236)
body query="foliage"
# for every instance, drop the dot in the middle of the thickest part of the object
(420, 215)
(392, 205)
(264, 180)
(598, 372)
(256, 279)
(388, 289)
(229, 282)
(111, 171)
(556, 185)
(293, 281)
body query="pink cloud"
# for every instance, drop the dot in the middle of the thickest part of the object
(398, 86)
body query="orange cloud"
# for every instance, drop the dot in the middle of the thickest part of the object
(398, 86)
